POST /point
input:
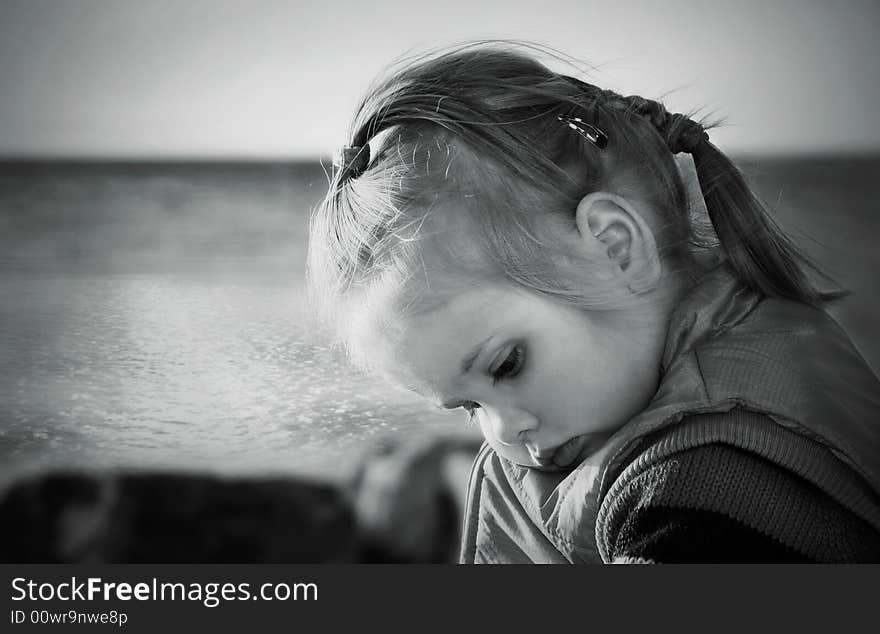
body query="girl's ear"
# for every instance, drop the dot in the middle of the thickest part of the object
(614, 232)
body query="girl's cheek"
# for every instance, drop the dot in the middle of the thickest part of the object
(484, 428)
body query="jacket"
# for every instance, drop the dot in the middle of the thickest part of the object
(727, 347)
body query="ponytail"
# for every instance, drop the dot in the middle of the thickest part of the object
(758, 251)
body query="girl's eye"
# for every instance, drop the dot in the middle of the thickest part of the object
(511, 366)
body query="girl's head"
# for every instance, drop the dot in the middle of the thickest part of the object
(511, 240)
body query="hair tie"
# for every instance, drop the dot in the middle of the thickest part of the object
(353, 160)
(683, 134)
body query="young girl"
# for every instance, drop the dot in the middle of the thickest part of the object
(520, 244)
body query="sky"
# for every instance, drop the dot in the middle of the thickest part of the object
(272, 79)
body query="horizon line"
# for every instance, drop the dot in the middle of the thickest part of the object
(327, 161)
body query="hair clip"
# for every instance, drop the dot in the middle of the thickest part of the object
(353, 159)
(590, 132)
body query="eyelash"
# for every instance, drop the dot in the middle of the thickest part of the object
(514, 359)
(514, 365)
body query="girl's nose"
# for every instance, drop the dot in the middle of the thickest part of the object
(509, 425)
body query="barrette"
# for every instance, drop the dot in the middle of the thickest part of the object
(590, 132)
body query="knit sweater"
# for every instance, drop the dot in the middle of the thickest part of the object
(719, 503)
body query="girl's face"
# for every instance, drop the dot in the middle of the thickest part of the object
(545, 382)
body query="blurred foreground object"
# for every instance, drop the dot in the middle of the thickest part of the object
(409, 499)
(173, 518)
(400, 508)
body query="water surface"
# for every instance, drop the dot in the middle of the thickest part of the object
(152, 314)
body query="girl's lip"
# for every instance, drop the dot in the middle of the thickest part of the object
(564, 455)
(545, 464)
(543, 460)
(543, 457)
(560, 456)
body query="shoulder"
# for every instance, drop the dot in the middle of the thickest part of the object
(718, 502)
(788, 354)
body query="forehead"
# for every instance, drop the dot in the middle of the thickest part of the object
(424, 351)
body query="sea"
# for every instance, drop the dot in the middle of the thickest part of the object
(152, 314)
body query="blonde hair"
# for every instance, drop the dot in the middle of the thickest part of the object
(469, 163)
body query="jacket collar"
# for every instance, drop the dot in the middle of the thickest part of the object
(717, 302)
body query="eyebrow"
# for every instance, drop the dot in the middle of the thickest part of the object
(468, 361)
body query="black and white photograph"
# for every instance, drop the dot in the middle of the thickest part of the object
(389, 282)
